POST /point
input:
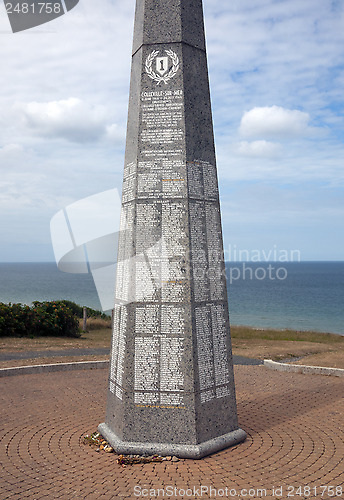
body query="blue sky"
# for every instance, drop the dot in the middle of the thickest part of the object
(277, 77)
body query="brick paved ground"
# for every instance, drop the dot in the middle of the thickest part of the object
(295, 425)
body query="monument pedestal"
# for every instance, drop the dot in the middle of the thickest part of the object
(171, 385)
(195, 451)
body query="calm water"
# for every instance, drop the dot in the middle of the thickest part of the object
(302, 296)
(311, 297)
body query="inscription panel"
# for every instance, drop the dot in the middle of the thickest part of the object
(212, 351)
(217, 280)
(125, 253)
(118, 350)
(172, 377)
(148, 226)
(147, 363)
(159, 377)
(204, 348)
(172, 320)
(148, 280)
(202, 180)
(129, 183)
(199, 257)
(147, 319)
(162, 125)
(174, 228)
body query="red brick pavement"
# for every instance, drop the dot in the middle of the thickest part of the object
(295, 439)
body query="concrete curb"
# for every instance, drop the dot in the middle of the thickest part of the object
(57, 367)
(86, 365)
(96, 365)
(313, 370)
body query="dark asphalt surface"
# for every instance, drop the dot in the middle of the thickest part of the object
(11, 356)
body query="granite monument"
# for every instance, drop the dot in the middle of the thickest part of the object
(171, 386)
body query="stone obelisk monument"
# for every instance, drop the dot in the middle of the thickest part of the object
(171, 386)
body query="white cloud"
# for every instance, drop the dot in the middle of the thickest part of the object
(260, 52)
(71, 119)
(114, 133)
(10, 150)
(274, 121)
(260, 149)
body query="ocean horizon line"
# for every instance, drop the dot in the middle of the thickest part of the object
(262, 261)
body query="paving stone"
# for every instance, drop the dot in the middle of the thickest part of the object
(291, 439)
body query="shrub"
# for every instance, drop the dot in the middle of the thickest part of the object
(13, 319)
(79, 310)
(54, 319)
(41, 319)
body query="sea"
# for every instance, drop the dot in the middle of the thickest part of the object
(284, 295)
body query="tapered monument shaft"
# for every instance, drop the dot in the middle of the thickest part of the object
(171, 386)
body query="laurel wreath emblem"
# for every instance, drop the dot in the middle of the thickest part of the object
(158, 78)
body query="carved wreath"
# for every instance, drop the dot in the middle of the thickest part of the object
(154, 76)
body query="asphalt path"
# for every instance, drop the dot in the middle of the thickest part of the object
(12, 356)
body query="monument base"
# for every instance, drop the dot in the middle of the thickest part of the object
(165, 449)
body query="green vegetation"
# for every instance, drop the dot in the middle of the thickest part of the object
(59, 318)
(78, 310)
(41, 319)
(246, 332)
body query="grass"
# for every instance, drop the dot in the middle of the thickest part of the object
(246, 333)
(101, 336)
(98, 334)
(95, 324)
(94, 338)
(310, 348)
